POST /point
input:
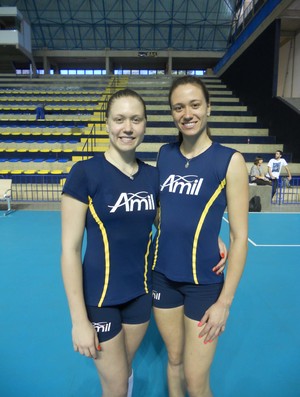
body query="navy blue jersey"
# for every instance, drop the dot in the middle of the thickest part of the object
(121, 211)
(192, 203)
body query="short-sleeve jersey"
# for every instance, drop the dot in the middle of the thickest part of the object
(276, 166)
(118, 256)
(192, 203)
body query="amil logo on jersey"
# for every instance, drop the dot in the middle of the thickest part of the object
(156, 295)
(102, 326)
(187, 184)
(134, 202)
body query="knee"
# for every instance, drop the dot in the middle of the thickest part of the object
(175, 359)
(115, 389)
(198, 386)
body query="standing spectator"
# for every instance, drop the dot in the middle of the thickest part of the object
(274, 169)
(257, 175)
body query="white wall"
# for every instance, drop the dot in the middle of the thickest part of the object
(9, 37)
(25, 36)
(22, 38)
(296, 88)
(289, 69)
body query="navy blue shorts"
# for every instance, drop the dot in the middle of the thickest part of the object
(108, 320)
(196, 298)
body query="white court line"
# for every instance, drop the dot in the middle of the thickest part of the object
(267, 245)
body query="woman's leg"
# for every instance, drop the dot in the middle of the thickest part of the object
(135, 320)
(134, 334)
(115, 359)
(112, 367)
(198, 358)
(128, 325)
(262, 182)
(171, 327)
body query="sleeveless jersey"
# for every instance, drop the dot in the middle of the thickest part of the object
(118, 256)
(192, 203)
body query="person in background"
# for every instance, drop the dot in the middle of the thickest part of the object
(257, 175)
(198, 179)
(40, 112)
(274, 169)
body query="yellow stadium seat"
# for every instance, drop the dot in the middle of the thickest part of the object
(29, 172)
(56, 172)
(43, 172)
(17, 172)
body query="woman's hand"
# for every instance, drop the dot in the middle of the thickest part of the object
(219, 268)
(214, 321)
(85, 339)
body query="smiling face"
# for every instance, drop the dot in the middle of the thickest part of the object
(189, 109)
(126, 123)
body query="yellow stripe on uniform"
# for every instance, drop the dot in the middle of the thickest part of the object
(199, 227)
(157, 239)
(146, 263)
(106, 250)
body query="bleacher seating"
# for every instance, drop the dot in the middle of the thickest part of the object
(75, 108)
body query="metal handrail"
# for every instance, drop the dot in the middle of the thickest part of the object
(91, 138)
(288, 192)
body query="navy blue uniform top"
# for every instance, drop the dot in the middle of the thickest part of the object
(121, 211)
(192, 203)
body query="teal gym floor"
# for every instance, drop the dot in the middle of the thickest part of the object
(258, 355)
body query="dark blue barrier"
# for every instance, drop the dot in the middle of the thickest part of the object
(288, 192)
(47, 187)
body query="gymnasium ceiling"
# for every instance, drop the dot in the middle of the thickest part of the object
(137, 25)
(127, 24)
